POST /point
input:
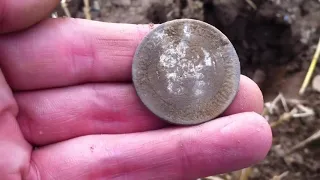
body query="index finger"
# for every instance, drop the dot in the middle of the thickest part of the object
(63, 52)
(16, 14)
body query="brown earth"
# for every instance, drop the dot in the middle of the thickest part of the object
(275, 41)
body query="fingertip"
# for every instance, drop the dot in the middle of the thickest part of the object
(251, 134)
(240, 141)
(248, 99)
(261, 142)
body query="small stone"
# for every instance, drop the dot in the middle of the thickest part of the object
(316, 83)
(279, 150)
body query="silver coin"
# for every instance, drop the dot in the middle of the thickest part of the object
(186, 72)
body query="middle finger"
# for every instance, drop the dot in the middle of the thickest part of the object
(55, 115)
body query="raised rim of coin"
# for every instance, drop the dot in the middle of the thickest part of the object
(184, 111)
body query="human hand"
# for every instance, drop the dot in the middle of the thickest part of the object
(69, 111)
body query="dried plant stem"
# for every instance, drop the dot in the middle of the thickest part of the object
(245, 173)
(310, 70)
(298, 111)
(302, 144)
(294, 113)
(283, 118)
(252, 4)
(86, 9)
(64, 6)
(281, 176)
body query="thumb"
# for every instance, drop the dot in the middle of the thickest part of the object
(15, 152)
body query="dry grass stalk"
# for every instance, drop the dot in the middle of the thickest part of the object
(64, 6)
(283, 118)
(314, 137)
(252, 4)
(272, 107)
(86, 9)
(284, 174)
(245, 174)
(298, 110)
(310, 70)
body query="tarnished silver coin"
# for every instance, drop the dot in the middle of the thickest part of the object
(186, 72)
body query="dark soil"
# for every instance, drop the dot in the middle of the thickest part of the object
(275, 43)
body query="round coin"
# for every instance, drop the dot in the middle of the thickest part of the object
(186, 72)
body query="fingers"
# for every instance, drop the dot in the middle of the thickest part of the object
(47, 116)
(227, 144)
(16, 14)
(249, 98)
(15, 152)
(61, 52)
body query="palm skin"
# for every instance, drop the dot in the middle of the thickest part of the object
(69, 111)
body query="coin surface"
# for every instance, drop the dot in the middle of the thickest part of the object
(186, 72)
